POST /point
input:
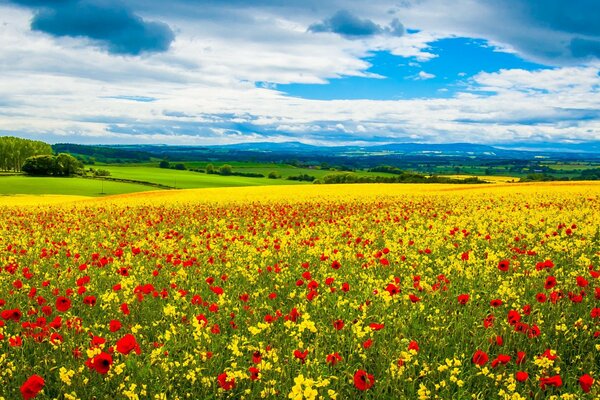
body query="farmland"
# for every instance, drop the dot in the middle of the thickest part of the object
(370, 291)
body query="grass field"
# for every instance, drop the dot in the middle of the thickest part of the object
(187, 179)
(10, 185)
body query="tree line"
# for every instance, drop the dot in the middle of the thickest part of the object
(14, 151)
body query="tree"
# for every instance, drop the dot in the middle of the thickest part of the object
(210, 169)
(14, 151)
(180, 167)
(48, 165)
(67, 165)
(274, 175)
(164, 164)
(43, 165)
(225, 169)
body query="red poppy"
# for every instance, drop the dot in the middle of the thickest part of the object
(127, 344)
(367, 343)
(101, 363)
(595, 313)
(333, 358)
(533, 332)
(581, 281)
(520, 357)
(548, 354)
(501, 359)
(550, 282)
(521, 376)
(513, 317)
(463, 298)
(254, 373)
(114, 325)
(540, 297)
(413, 298)
(586, 383)
(256, 357)
(224, 383)
(338, 324)
(301, 355)
(90, 301)
(555, 381)
(63, 304)
(32, 386)
(11, 315)
(392, 289)
(496, 303)
(363, 380)
(488, 321)
(480, 358)
(503, 265)
(376, 327)
(336, 265)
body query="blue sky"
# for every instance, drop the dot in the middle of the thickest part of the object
(210, 72)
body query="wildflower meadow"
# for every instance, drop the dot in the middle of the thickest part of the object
(337, 292)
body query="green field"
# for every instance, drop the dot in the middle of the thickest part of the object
(65, 186)
(187, 179)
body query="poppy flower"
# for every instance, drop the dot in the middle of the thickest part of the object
(376, 327)
(496, 303)
(11, 315)
(521, 376)
(503, 265)
(550, 282)
(463, 299)
(127, 344)
(480, 358)
(501, 359)
(367, 343)
(101, 363)
(413, 298)
(32, 386)
(595, 313)
(520, 357)
(363, 380)
(254, 373)
(90, 301)
(224, 383)
(301, 355)
(555, 381)
(338, 324)
(114, 325)
(336, 265)
(63, 304)
(513, 317)
(549, 355)
(586, 383)
(392, 289)
(540, 297)
(413, 345)
(333, 358)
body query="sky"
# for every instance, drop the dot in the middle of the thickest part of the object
(315, 71)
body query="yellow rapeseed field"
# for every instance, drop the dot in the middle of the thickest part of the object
(303, 292)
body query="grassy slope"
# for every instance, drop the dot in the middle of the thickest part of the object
(65, 186)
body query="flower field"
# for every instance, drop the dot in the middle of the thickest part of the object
(360, 291)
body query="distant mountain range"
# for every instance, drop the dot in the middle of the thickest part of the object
(518, 150)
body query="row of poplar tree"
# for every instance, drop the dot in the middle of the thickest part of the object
(14, 151)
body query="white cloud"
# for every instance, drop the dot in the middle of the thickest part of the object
(422, 75)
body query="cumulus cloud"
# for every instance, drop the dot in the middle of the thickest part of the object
(346, 24)
(422, 76)
(108, 24)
